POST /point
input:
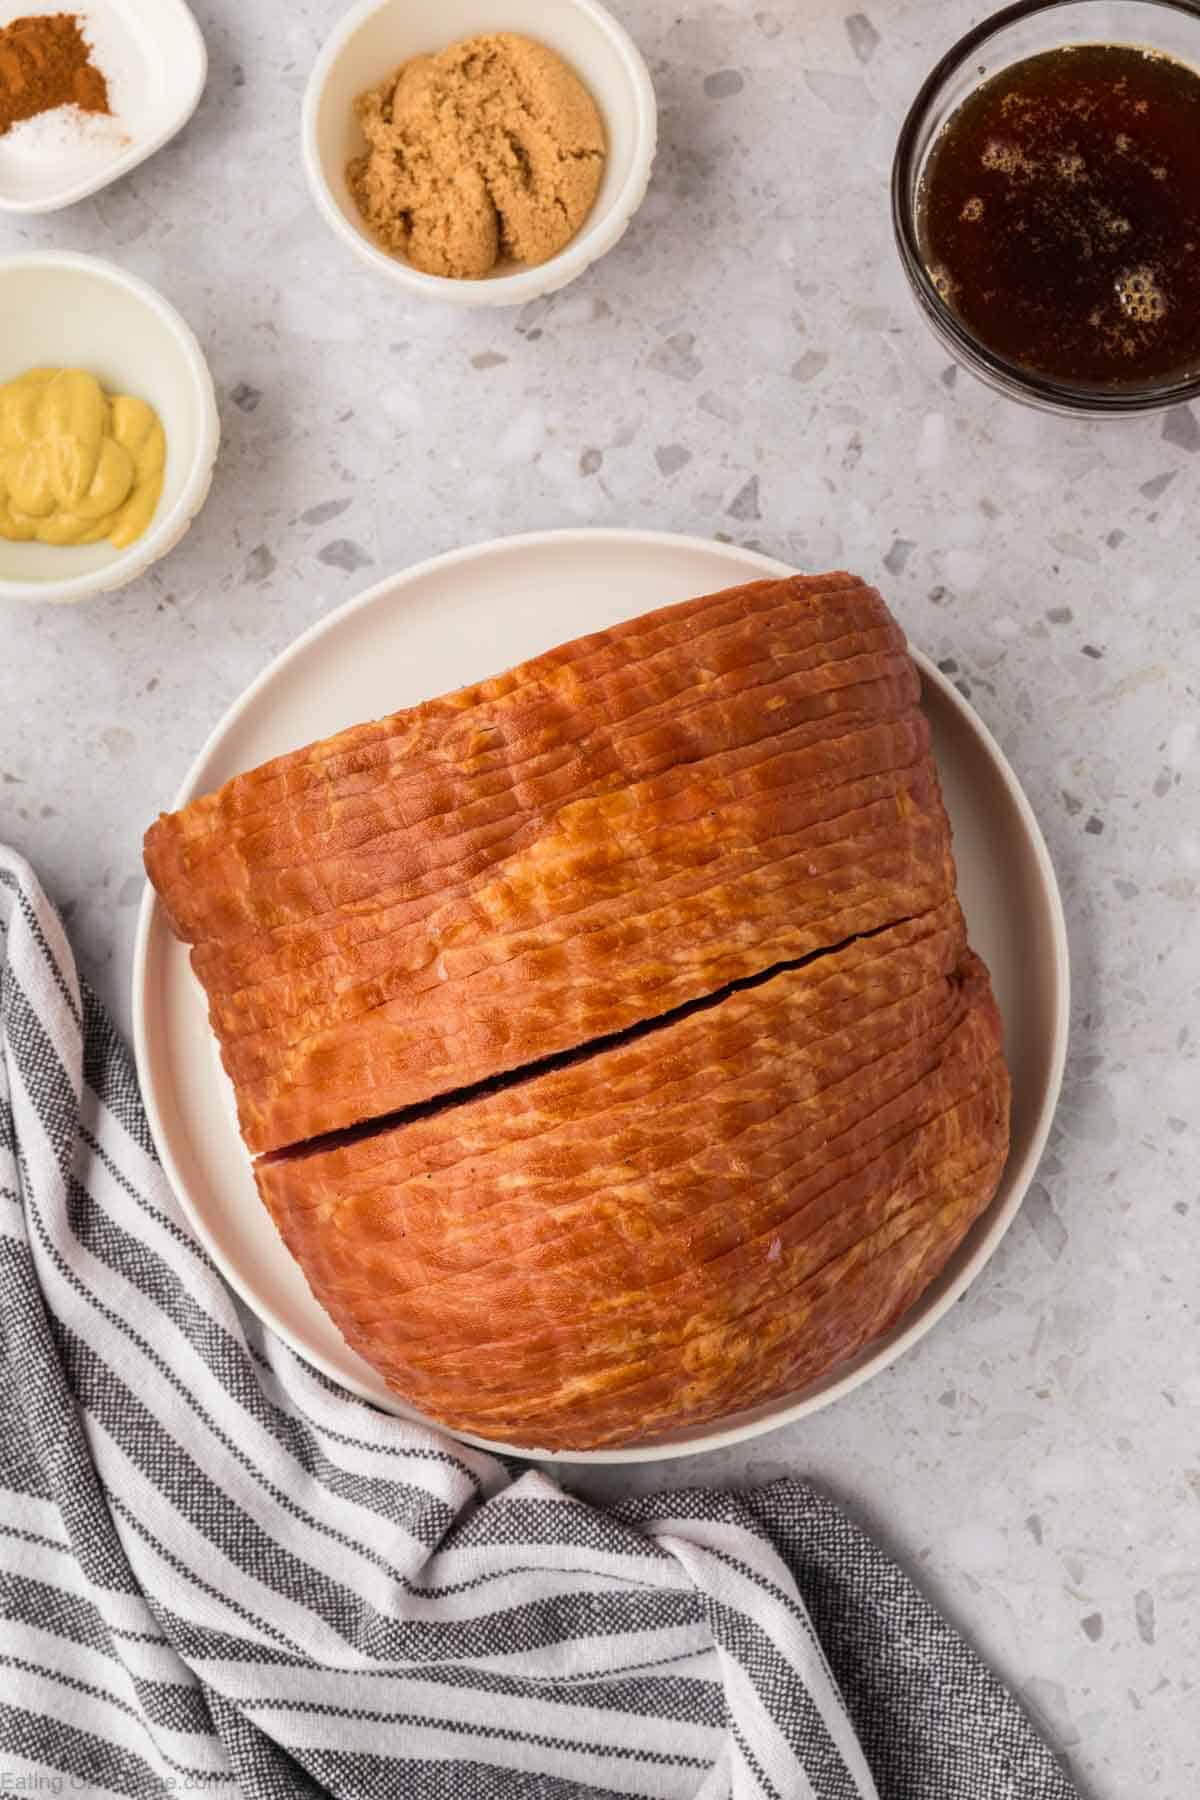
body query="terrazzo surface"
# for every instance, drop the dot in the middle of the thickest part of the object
(746, 363)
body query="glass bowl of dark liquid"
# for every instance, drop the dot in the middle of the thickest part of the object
(1046, 203)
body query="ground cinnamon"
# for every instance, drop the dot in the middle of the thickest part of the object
(44, 63)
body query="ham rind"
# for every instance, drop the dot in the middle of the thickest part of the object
(608, 832)
(676, 1227)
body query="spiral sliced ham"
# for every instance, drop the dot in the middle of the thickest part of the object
(675, 1228)
(608, 1029)
(618, 827)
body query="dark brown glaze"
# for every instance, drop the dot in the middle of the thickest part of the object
(1059, 215)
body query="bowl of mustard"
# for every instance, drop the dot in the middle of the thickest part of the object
(108, 427)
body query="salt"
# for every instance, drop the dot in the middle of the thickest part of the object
(66, 128)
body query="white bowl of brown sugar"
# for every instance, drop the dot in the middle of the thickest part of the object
(481, 152)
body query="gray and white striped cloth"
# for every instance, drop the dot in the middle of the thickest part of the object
(221, 1574)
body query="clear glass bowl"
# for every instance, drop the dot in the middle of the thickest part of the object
(1019, 31)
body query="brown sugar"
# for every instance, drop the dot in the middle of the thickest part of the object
(493, 148)
(44, 63)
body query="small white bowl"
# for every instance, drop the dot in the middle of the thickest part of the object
(68, 311)
(156, 64)
(376, 36)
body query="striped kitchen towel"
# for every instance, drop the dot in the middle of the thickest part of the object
(220, 1574)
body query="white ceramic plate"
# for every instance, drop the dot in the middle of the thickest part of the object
(455, 620)
(156, 63)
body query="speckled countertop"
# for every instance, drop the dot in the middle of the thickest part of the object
(746, 362)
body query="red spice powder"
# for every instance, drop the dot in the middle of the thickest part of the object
(44, 63)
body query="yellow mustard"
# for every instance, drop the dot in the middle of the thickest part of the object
(76, 464)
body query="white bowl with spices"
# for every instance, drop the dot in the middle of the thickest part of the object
(154, 64)
(377, 37)
(60, 310)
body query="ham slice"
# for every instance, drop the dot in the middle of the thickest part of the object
(612, 830)
(675, 1227)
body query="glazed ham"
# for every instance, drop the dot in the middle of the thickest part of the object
(678, 1227)
(608, 1029)
(609, 831)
